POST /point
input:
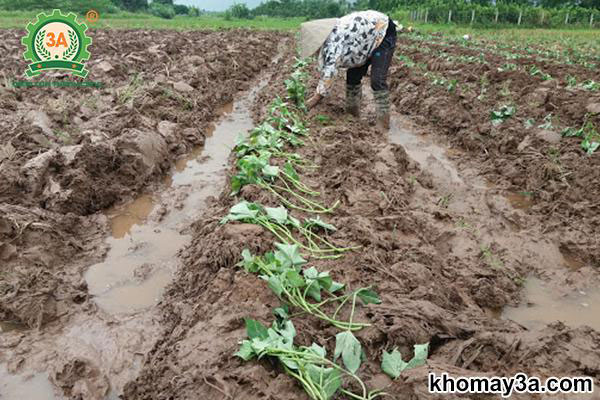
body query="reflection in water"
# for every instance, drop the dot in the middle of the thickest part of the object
(544, 306)
(123, 218)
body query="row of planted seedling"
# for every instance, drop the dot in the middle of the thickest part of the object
(533, 70)
(571, 56)
(590, 138)
(267, 158)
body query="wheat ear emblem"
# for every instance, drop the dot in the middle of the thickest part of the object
(40, 49)
(73, 46)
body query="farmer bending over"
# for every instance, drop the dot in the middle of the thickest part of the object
(354, 41)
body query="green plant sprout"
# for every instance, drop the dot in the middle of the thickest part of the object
(590, 136)
(323, 119)
(393, 365)
(502, 115)
(296, 88)
(257, 170)
(268, 140)
(282, 270)
(280, 223)
(320, 377)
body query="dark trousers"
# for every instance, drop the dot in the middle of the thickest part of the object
(380, 63)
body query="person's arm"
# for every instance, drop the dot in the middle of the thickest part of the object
(329, 55)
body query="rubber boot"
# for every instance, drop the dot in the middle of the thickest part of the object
(353, 98)
(382, 108)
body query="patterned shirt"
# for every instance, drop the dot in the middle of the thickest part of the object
(350, 44)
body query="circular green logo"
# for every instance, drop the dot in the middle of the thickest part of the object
(56, 41)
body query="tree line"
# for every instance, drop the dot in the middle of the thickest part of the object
(549, 11)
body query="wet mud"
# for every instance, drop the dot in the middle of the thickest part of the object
(91, 215)
(453, 254)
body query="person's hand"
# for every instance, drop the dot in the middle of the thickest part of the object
(310, 103)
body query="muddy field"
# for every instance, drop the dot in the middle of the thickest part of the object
(118, 280)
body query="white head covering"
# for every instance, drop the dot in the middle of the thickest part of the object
(313, 35)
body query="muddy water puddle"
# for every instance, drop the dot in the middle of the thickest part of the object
(8, 326)
(142, 252)
(21, 387)
(543, 305)
(428, 155)
(482, 205)
(520, 200)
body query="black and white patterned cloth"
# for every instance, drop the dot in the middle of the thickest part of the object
(350, 44)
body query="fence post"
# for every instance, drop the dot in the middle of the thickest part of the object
(427, 15)
(567, 19)
(496, 15)
(472, 16)
(520, 16)
(450, 16)
(591, 20)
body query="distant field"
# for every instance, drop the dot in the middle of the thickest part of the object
(146, 21)
(584, 40)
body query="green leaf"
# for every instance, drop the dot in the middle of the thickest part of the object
(260, 345)
(288, 331)
(282, 312)
(571, 132)
(349, 348)
(593, 146)
(421, 352)
(255, 329)
(289, 170)
(247, 256)
(288, 362)
(294, 222)
(275, 285)
(241, 211)
(335, 286)
(369, 296)
(270, 171)
(245, 352)
(318, 350)
(325, 280)
(236, 184)
(314, 289)
(392, 363)
(310, 222)
(248, 262)
(279, 214)
(328, 380)
(289, 255)
(311, 273)
(294, 278)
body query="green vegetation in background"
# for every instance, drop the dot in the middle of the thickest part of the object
(485, 13)
(311, 9)
(507, 15)
(566, 43)
(127, 20)
(77, 6)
